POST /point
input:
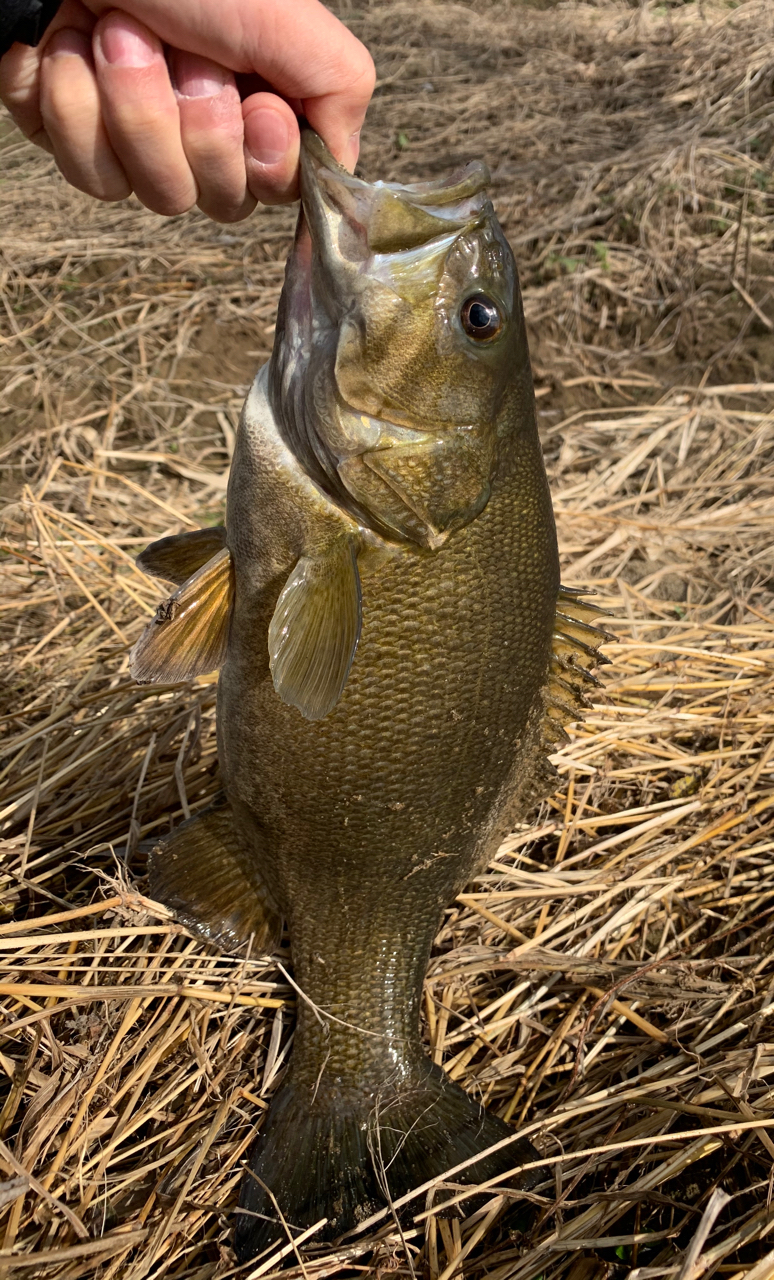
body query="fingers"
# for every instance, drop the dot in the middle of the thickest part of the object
(140, 113)
(19, 90)
(179, 146)
(70, 110)
(271, 145)
(20, 73)
(117, 121)
(211, 131)
(305, 53)
(299, 49)
(338, 116)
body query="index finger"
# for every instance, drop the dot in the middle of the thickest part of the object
(307, 54)
(330, 71)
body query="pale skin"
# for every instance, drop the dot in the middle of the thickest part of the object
(145, 99)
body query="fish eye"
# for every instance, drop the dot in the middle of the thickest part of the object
(481, 318)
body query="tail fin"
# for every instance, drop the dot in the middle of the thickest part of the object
(344, 1156)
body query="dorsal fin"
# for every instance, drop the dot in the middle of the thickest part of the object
(189, 634)
(575, 651)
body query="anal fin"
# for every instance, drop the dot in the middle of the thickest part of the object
(315, 629)
(198, 872)
(189, 634)
(178, 557)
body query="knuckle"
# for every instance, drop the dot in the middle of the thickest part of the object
(230, 213)
(221, 135)
(168, 206)
(24, 122)
(109, 192)
(362, 75)
(20, 84)
(40, 138)
(368, 73)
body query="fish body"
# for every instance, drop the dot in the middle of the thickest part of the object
(390, 672)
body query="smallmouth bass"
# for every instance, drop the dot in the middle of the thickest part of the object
(397, 657)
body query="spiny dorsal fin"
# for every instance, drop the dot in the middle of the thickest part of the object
(575, 650)
(177, 558)
(315, 629)
(189, 634)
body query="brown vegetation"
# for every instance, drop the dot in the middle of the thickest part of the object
(607, 984)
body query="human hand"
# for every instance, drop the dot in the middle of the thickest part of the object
(120, 116)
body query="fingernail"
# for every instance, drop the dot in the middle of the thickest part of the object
(68, 43)
(199, 78)
(123, 47)
(266, 136)
(353, 150)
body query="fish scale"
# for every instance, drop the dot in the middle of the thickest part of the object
(396, 657)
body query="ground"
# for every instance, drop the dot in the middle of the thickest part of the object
(607, 983)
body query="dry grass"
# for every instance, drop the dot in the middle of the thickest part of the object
(607, 984)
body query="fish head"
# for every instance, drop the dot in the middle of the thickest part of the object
(399, 335)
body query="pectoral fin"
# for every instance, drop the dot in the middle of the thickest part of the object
(315, 629)
(177, 558)
(189, 634)
(198, 873)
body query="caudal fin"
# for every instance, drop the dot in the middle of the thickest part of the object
(343, 1157)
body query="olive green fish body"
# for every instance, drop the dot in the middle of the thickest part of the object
(366, 823)
(383, 606)
(372, 818)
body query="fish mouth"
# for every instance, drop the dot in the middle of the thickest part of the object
(392, 217)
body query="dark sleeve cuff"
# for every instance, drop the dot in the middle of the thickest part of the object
(24, 20)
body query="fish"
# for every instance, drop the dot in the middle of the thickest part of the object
(397, 660)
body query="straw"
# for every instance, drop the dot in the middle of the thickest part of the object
(606, 983)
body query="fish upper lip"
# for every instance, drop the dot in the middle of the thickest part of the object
(471, 179)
